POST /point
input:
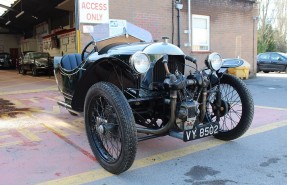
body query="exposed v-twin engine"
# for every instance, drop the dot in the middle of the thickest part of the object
(187, 114)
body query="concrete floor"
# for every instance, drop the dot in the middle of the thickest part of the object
(41, 143)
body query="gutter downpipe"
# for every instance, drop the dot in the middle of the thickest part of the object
(189, 22)
(178, 28)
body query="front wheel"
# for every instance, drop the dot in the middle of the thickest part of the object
(34, 71)
(110, 127)
(237, 108)
(22, 70)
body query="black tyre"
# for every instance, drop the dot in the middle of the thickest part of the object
(110, 127)
(22, 70)
(265, 71)
(237, 108)
(34, 71)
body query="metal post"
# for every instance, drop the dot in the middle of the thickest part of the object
(77, 23)
(178, 6)
(178, 28)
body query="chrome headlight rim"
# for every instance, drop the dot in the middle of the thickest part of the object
(37, 63)
(214, 61)
(137, 63)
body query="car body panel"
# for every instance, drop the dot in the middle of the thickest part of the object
(5, 60)
(112, 64)
(39, 60)
(272, 61)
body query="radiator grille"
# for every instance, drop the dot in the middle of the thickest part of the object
(174, 62)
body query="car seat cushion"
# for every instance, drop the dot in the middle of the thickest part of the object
(71, 61)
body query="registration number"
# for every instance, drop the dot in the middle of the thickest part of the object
(201, 131)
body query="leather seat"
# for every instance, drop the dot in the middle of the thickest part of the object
(71, 61)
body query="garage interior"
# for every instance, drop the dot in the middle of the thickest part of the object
(32, 25)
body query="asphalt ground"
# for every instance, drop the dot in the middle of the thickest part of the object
(41, 143)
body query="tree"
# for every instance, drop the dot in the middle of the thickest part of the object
(281, 26)
(266, 40)
(272, 27)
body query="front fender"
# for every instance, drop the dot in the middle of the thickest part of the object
(229, 63)
(111, 70)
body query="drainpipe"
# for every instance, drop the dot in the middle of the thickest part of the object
(178, 6)
(189, 24)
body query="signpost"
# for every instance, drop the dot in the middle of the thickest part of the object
(93, 11)
(89, 12)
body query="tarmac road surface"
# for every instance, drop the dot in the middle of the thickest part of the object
(41, 143)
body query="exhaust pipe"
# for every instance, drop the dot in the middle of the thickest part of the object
(170, 123)
(69, 107)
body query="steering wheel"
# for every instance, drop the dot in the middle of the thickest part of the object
(86, 53)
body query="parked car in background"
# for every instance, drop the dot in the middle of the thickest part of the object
(272, 62)
(5, 60)
(20, 59)
(36, 62)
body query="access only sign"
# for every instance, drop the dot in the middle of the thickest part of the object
(94, 11)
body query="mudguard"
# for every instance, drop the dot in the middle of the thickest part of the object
(229, 63)
(106, 69)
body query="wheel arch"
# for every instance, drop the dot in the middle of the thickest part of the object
(111, 70)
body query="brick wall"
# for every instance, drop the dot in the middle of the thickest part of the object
(231, 24)
(232, 27)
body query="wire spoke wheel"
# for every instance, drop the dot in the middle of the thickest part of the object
(237, 108)
(110, 127)
(105, 129)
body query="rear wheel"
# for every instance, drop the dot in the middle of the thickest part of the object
(237, 108)
(34, 71)
(22, 70)
(110, 127)
(265, 71)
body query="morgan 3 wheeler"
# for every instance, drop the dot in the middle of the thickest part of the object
(130, 89)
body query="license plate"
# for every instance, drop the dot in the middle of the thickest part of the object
(201, 131)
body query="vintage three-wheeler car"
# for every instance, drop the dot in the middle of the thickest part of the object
(129, 89)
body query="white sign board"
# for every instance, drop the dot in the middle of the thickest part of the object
(94, 11)
(117, 27)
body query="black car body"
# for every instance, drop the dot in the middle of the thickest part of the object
(126, 85)
(272, 62)
(36, 62)
(5, 60)
(20, 59)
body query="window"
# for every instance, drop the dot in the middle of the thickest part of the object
(200, 33)
(264, 56)
(275, 57)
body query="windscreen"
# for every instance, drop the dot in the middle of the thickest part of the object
(116, 28)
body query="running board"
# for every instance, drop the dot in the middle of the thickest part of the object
(178, 135)
(143, 138)
(69, 108)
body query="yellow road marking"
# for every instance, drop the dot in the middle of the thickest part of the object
(20, 84)
(94, 175)
(5, 136)
(52, 88)
(10, 144)
(55, 129)
(69, 127)
(29, 135)
(274, 108)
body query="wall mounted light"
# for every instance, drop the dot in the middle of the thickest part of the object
(8, 22)
(19, 14)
